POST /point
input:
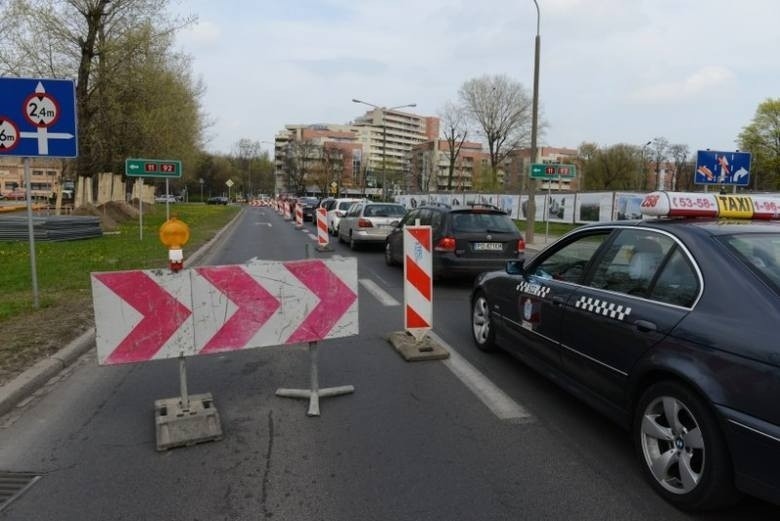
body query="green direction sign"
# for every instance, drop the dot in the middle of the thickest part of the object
(553, 171)
(152, 168)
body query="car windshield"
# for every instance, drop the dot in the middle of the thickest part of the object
(482, 222)
(760, 252)
(384, 210)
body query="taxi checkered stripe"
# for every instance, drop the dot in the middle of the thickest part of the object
(542, 291)
(602, 307)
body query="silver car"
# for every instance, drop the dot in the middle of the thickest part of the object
(368, 222)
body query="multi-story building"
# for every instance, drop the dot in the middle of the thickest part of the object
(430, 166)
(388, 137)
(45, 176)
(357, 158)
(317, 159)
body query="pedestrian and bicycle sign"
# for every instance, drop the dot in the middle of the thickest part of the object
(553, 171)
(152, 168)
(38, 118)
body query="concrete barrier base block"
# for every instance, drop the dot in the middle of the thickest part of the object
(417, 351)
(180, 427)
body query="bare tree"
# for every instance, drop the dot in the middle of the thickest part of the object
(501, 108)
(659, 150)
(453, 124)
(301, 158)
(246, 151)
(679, 154)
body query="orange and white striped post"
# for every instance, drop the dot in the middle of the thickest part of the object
(298, 216)
(287, 212)
(418, 281)
(323, 237)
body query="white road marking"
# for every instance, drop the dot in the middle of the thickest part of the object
(260, 223)
(381, 295)
(504, 407)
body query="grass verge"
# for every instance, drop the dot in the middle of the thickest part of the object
(63, 270)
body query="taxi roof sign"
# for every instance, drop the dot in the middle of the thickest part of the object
(689, 204)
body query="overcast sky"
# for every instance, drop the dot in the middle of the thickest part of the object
(612, 71)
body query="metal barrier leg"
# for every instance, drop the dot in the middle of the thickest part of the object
(314, 393)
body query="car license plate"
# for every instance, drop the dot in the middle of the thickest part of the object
(488, 246)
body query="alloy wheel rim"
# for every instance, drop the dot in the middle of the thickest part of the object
(672, 444)
(481, 320)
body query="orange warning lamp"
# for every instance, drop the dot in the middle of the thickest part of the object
(174, 234)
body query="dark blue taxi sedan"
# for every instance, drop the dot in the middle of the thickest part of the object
(667, 325)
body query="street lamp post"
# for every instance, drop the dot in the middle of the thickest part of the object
(201, 189)
(531, 207)
(384, 139)
(642, 169)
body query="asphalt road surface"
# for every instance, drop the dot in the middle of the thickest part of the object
(476, 437)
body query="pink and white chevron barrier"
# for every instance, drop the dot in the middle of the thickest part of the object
(154, 314)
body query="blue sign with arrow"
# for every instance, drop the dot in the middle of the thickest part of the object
(722, 168)
(38, 118)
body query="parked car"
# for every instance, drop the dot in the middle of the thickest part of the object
(368, 222)
(165, 198)
(669, 327)
(309, 206)
(466, 240)
(16, 195)
(217, 200)
(337, 210)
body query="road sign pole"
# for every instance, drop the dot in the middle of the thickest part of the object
(31, 231)
(140, 185)
(167, 200)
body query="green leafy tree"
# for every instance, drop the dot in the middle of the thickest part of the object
(612, 168)
(131, 89)
(761, 137)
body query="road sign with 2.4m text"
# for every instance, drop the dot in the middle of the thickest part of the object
(38, 118)
(152, 168)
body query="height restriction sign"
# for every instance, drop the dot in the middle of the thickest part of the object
(38, 118)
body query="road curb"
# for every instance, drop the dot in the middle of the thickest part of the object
(36, 376)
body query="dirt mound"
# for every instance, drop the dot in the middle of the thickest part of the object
(111, 214)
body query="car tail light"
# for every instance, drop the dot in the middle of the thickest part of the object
(520, 246)
(446, 244)
(364, 223)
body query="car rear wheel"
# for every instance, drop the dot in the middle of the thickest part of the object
(681, 449)
(482, 330)
(388, 255)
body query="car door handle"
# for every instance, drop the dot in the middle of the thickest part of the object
(558, 300)
(645, 326)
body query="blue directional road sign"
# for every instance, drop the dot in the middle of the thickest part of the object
(38, 118)
(722, 168)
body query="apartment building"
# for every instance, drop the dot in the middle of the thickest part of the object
(430, 166)
(45, 176)
(355, 158)
(317, 159)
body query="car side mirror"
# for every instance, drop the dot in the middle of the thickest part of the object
(515, 267)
